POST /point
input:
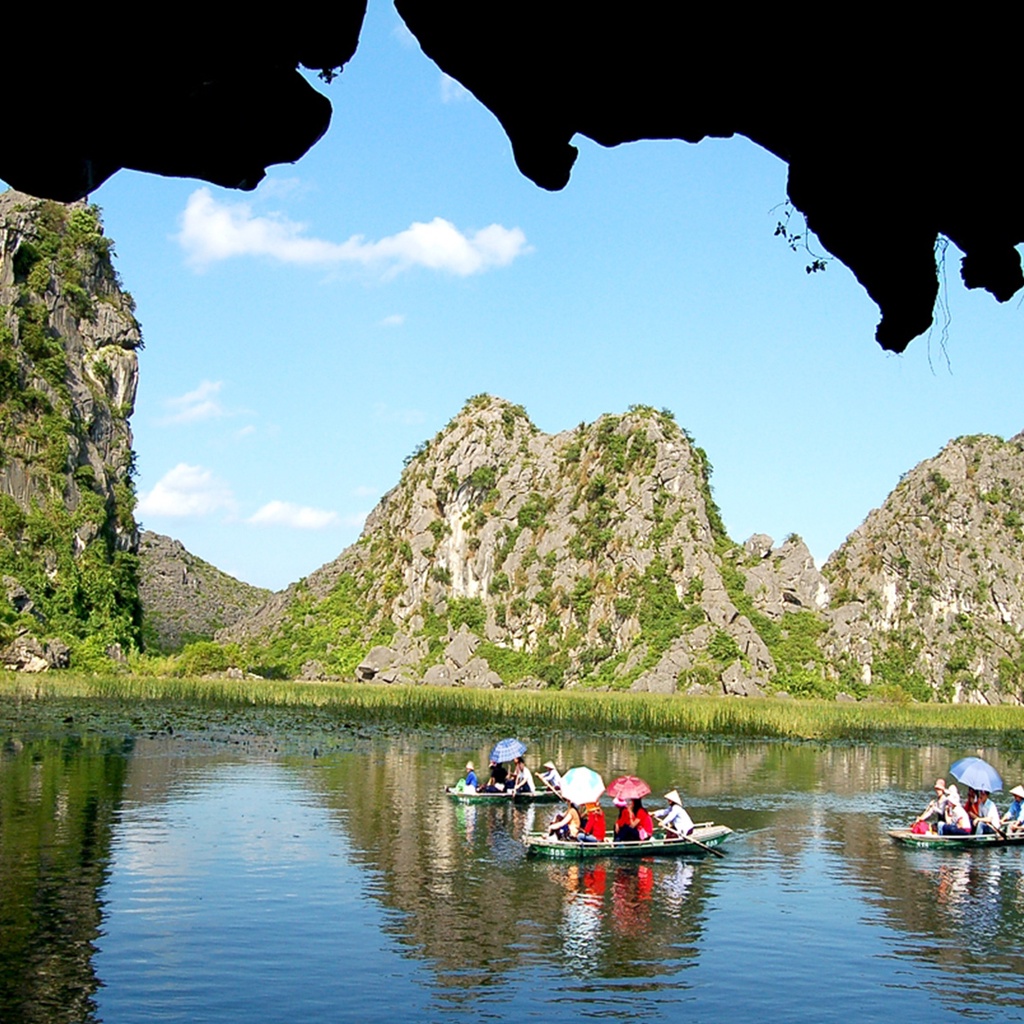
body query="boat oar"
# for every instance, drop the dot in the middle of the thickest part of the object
(696, 842)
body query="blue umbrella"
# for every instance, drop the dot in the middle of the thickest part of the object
(976, 773)
(508, 750)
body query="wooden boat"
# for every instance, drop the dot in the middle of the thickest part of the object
(933, 841)
(539, 844)
(541, 796)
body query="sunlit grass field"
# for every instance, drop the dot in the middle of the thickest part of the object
(564, 711)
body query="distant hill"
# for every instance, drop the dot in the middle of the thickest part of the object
(597, 557)
(506, 556)
(185, 599)
(928, 593)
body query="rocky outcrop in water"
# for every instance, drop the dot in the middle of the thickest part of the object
(68, 374)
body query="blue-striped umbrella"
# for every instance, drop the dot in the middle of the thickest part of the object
(976, 773)
(508, 750)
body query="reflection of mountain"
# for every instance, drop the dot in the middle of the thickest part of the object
(58, 800)
(473, 904)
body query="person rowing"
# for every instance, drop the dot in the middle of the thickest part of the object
(551, 777)
(674, 818)
(1012, 819)
(937, 807)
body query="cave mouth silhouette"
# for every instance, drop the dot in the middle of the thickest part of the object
(881, 163)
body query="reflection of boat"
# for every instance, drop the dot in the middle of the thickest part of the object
(932, 841)
(541, 796)
(706, 834)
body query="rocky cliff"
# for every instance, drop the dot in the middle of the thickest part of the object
(597, 557)
(928, 593)
(186, 599)
(510, 556)
(68, 374)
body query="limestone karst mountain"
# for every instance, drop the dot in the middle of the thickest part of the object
(185, 599)
(68, 374)
(928, 593)
(506, 556)
(598, 557)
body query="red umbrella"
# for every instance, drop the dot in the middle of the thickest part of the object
(627, 787)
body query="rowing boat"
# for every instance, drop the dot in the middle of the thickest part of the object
(522, 797)
(933, 841)
(707, 834)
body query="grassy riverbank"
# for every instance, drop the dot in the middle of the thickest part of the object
(510, 711)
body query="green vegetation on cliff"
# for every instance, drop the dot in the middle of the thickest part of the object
(67, 531)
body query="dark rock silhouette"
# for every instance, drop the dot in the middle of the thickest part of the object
(897, 129)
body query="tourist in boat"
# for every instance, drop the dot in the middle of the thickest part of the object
(674, 817)
(551, 776)
(497, 779)
(971, 805)
(634, 822)
(937, 808)
(593, 830)
(957, 822)
(1015, 812)
(522, 778)
(986, 822)
(567, 824)
(470, 781)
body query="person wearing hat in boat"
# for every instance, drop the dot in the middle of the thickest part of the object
(937, 808)
(470, 781)
(674, 817)
(551, 777)
(593, 830)
(957, 822)
(1016, 809)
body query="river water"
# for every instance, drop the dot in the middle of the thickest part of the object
(165, 880)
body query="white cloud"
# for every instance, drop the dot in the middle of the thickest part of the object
(200, 404)
(362, 491)
(187, 491)
(246, 431)
(453, 91)
(394, 320)
(299, 517)
(213, 231)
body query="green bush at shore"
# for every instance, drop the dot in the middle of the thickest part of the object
(507, 711)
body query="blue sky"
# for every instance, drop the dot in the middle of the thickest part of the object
(303, 339)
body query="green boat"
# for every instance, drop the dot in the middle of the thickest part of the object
(704, 836)
(933, 841)
(541, 796)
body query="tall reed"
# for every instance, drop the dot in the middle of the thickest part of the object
(509, 711)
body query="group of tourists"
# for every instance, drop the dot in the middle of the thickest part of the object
(949, 814)
(586, 823)
(499, 779)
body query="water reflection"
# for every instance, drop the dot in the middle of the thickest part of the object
(57, 803)
(231, 887)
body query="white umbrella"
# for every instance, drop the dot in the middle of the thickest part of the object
(581, 785)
